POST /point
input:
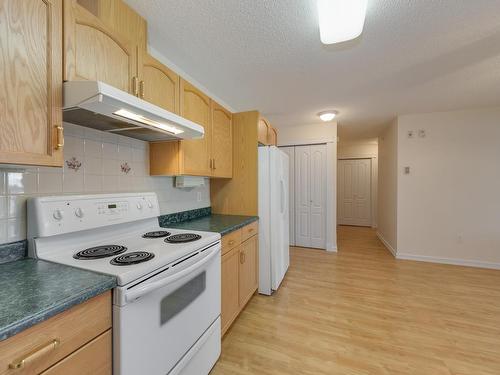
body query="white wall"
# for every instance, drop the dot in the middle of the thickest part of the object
(315, 134)
(307, 134)
(101, 156)
(387, 186)
(362, 149)
(449, 205)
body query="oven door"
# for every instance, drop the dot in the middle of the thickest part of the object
(158, 320)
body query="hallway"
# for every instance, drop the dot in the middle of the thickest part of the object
(363, 312)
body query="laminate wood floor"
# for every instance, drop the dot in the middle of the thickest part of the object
(360, 311)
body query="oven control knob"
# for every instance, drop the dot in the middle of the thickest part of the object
(139, 205)
(79, 212)
(58, 215)
(150, 205)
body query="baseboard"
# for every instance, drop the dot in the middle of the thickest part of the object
(387, 244)
(455, 262)
(331, 249)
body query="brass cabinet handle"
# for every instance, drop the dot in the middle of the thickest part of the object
(60, 137)
(211, 164)
(35, 353)
(214, 164)
(230, 243)
(242, 258)
(135, 86)
(141, 89)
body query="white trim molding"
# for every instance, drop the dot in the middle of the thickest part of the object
(455, 262)
(387, 245)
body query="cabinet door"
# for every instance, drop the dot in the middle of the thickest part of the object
(248, 269)
(31, 71)
(229, 280)
(263, 131)
(93, 52)
(272, 139)
(159, 85)
(222, 142)
(195, 154)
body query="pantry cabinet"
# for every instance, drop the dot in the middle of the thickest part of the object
(210, 156)
(95, 52)
(31, 130)
(239, 271)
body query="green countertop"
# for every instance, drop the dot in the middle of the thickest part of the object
(222, 224)
(32, 291)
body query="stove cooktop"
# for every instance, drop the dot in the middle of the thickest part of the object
(125, 253)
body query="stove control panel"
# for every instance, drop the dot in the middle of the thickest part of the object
(57, 215)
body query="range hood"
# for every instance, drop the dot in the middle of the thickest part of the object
(97, 105)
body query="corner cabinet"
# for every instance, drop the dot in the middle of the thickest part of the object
(31, 74)
(239, 272)
(210, 156)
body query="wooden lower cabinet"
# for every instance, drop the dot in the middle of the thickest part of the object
(61, 344)
(239, 273)
(248, 273)
(95, 358)
(230, 297)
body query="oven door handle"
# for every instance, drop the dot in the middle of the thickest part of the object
(133, 295)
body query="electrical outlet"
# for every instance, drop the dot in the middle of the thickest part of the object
(198, 196)
(407, 170)
(421, 133)
(411, 134)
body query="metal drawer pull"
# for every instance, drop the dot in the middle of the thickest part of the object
(242, 258)
(37, 352)
(60, 137)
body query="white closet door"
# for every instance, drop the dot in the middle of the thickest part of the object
(318, 196)
(355, 192)
(310, 196)
(303, 196)
(290, 151)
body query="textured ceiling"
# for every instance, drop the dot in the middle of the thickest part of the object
(413, 56)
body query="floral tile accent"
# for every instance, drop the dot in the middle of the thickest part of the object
(125, 168)
(74, 164)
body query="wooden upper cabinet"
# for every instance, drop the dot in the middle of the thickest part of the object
(263, 131)
(31, 75)
(272, 138)
(222, 142)
(267, 135)
(94, 52)
(159, 85)
(195, 153)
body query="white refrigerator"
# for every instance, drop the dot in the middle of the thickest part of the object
(274, 255)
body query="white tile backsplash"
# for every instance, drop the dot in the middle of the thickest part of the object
(101, 156)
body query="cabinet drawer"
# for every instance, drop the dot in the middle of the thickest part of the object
(249, 231)
(94, 358)
(230, 241)
(71, 329)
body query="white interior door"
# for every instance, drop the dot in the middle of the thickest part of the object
(310, 196)
(290, 151)
(318, 196)
(354, 192)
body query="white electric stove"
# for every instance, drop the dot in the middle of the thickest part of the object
(166, 307)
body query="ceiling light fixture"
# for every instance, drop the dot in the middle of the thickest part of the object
(341, 20)
(327, 115)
